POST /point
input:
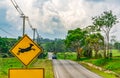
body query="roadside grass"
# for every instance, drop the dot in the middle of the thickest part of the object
(47, 65)
(104, 75)
(116, 52)
(7, 63)
(108, 64)
(66, 55)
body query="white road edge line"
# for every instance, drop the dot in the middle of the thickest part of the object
(56, 74)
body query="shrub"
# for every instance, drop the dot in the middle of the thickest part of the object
(100, 62)
(112, 66)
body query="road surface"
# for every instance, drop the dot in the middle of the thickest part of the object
(50, 54)
(70, 69)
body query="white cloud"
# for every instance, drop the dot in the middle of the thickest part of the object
(55, 17)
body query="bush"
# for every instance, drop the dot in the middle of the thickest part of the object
(43, 55)
(101, 62)
(112, 66)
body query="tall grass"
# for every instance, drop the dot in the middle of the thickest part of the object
(7, 63)
(47, 65)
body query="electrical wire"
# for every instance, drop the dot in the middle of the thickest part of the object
(7, 32)
(23, 15)
(33, 28)
(17, 8)
(29, 23)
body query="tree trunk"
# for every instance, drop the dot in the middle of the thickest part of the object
(78, 53)
(104, 51)
(78, 56)
(96, 54)
(108, 48)
(89, 53)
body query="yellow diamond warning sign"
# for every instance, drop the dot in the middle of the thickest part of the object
(26, 50)
(26, 73)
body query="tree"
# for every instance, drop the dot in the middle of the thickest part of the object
(76, 38)
(49, 46)
(117, 45)
(91, 29)
(60, 45)
(56, 45)
(104, 23)
(6, 44)
(94, 41)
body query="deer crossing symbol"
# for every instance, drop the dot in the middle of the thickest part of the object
(27, 49)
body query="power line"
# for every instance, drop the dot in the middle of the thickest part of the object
(29, 23)
(7, 32)
(34, 29)
(17, 8)
(24, 17)
(21, 13)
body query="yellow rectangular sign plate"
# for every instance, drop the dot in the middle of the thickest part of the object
(26, 73)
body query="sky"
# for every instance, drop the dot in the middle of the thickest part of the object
(53, 18)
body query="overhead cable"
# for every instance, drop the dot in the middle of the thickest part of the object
(17, 8)
(23, 16)
(7, 32)
(29, 23)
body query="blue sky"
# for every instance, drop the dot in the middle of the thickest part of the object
(53, 18)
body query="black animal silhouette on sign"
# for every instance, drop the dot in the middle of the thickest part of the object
(22, 50)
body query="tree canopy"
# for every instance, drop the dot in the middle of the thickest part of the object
(104, 23)
(76, 38)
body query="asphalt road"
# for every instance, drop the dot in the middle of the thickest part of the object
(50, 55)
(71, 69)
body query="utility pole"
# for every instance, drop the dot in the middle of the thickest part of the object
(24, 17)
(21, 13)
(34, 29)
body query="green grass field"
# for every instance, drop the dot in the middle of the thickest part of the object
(116, 52)
(66, 55)
(7, 63)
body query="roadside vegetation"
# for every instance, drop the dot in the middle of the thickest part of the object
(47, 65)
(101, 73)
(113, 64)
(66, 55)
(7, 63)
